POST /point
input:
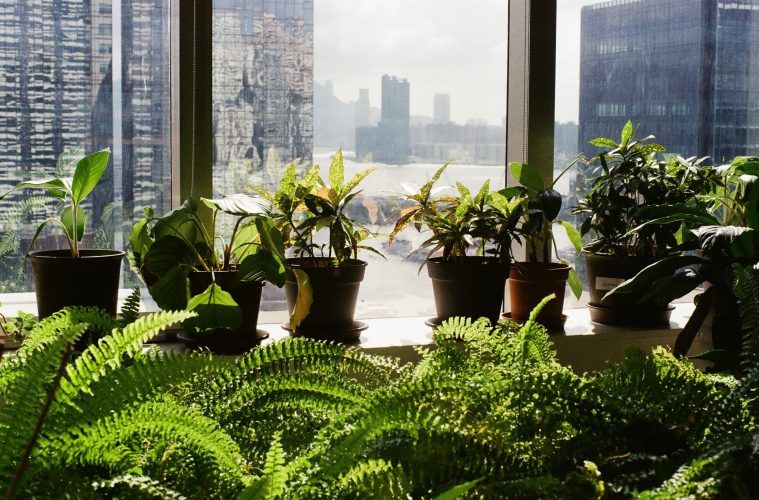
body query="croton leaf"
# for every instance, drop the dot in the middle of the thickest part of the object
(303, 300)
(216, 309)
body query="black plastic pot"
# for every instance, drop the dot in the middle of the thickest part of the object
(604, 273)
(60, 280)
(335, 293)
(247, 294)
(472, 288)
(529, 283)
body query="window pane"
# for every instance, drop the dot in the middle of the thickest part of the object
(403, 85)
(61, 98)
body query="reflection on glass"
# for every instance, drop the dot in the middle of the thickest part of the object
(78, 77)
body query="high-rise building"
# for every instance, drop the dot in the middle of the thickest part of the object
(262, 84)
(362, 110)
(441, 108)
(683, 70)
(393, 129)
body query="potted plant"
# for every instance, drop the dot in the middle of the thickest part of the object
(626, 178)
(537, 277)
(73, 276)
(728, 236)
(469, 249)
(324, 273)
(188, 265)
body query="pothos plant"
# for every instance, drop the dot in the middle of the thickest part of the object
(543, 208)
(462, 224)
(166, 249)
(70, 192)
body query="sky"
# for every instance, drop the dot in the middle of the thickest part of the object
(451, 47)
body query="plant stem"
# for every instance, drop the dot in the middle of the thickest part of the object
(74, 241)
(24, 462)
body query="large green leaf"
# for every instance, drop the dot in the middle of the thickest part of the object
(246, 241)
(239, 204)
(271, 237)
(303, 300)
(67, 221)
(660, 269)
(752, 208)
(572, 233)
(627, 133)
(140, 239)
(337, 171)
(88, 172)
(178, 223)
(550, 203)
(263, 265)
(351, 184)
(527, 176)
(574, 282)
(216, 309)
(167, 253)
(57, 187)
(172, 290)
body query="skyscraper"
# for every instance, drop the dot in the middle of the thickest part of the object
(393, 130)
(684, 70)
(441, 109)
(262, 84)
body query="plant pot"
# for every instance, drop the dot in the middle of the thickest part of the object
(529, 283)
(247, 294)
(335, 293)
(604, 273)
(60, 280)
(472, 288)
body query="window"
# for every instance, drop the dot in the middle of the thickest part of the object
(61, 99)
(402, 85)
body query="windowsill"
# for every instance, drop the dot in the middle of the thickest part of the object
(584, 345)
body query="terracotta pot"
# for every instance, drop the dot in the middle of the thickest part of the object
(60, 280)
(473, 288)
(529, 283)
(335, 293)
(604, 273)
(247, 294)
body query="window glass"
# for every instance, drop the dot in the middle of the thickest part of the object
(78, 77)
(684, 71)
(406, 86)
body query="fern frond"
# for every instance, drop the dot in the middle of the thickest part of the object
(130, 310)
(109, 352)
(274, 479)
(137, 487)
(20, 407)
(376, 477)
(98, 322)
(114, 443)
(463, 329)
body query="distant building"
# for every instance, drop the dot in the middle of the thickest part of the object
(362, 111)
(464, 144)
(565, 138)
(441, 108)
(389, 140)
(684, 70)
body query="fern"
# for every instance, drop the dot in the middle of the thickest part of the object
(137, 487)
(272, 483)
(130, 310)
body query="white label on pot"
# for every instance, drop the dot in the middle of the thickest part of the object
(608, 283)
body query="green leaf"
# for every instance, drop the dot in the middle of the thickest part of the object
(572, 233)
(527, 176)
(216, 310)
(360, 176)
(167, 253)
(425, 190)
(574, 282)
(262, 265)
(140, 239)
(178, 223)
(57, 187)
(88, 172)
(172, 290)
(647, 276)
(465, 193)
(303, 300)
(67, 221)
(603, 142)
(239, 204)
(271, 237)
(41, 227)
(752, 208)
(337, 171)
(482, 196)
(550, 203)
(457, 491)
(627, 133)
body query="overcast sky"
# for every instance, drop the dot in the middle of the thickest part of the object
(451, 47)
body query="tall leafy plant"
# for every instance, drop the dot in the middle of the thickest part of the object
(71, 192)
(166, 249)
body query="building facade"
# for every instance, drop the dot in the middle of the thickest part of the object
(262, 88)
(389, 141)
(682, 70)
